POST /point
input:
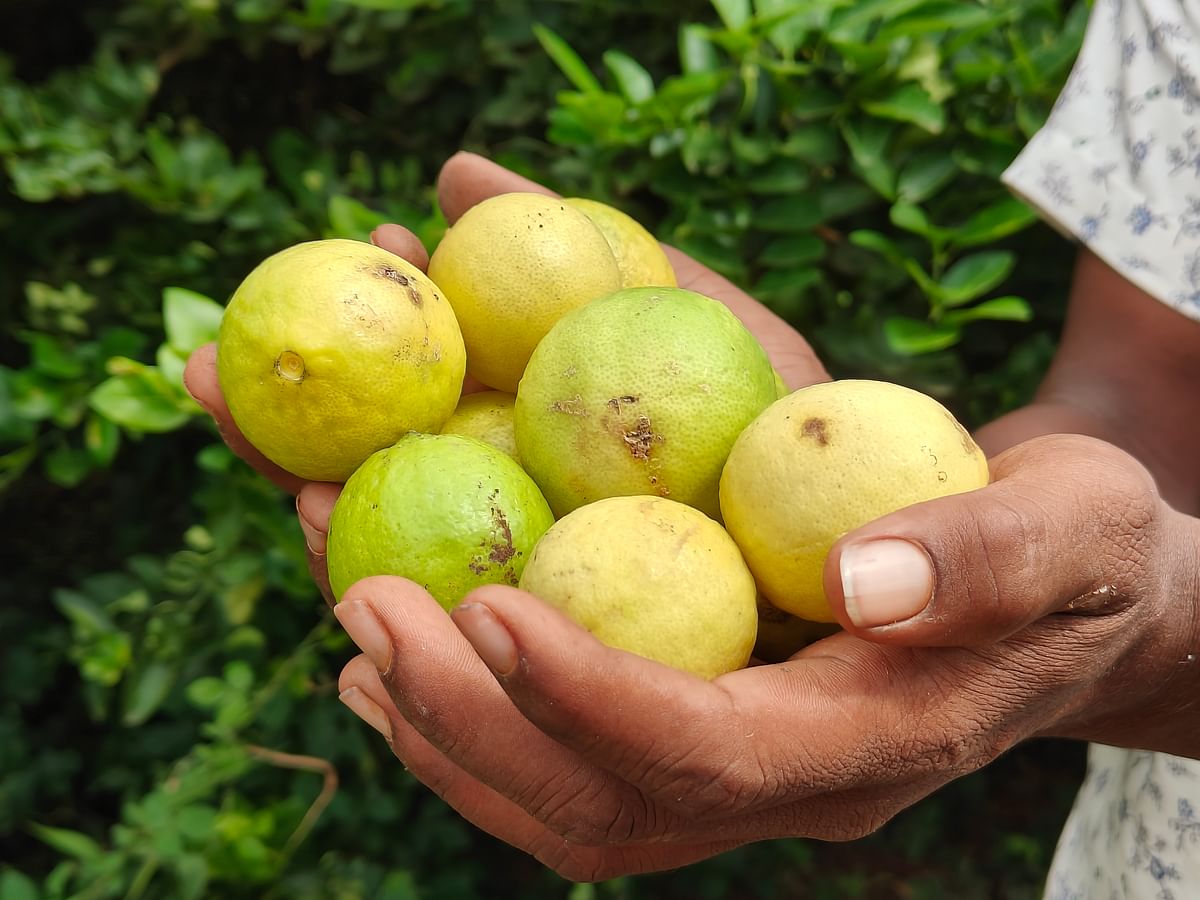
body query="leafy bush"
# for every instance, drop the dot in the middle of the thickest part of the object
(168, 718)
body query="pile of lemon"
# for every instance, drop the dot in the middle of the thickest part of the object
(633, 459)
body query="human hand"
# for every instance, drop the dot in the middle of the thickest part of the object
(465, 180)
(1059, 600)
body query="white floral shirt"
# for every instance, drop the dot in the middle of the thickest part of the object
(1117, 167)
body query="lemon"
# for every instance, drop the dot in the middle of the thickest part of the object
(781, 388)
(780, 634)
(640, 392)
(330, 350)
(446, 511)
(639, 255)
(653, 577)
(486, 416)
(511, 267)
(827, 459)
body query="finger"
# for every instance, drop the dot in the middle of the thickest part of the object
(1068, 522)
(200, 379)
(790, 353)
(314, 506)
(439, 684)
(467, 179)
(399, 240)
(494, 813)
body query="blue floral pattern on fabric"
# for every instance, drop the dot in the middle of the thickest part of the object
(1117, 165)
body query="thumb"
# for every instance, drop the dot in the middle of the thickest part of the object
(1068, 522)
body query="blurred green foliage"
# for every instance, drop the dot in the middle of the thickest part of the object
(168, 718)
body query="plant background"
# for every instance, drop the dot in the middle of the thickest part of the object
(169, 726)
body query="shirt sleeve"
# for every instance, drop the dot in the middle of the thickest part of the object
(1117, 164)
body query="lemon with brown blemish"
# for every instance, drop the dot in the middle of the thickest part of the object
(330, 350)
(827, 459)
(652, 577)
(512, 266)
(448, 512)
(640, 392)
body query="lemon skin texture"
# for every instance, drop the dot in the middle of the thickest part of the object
(511, 266)
(330, 350)
(486, 416)
(652, 577)
(640, 392)
(639, 255)
(823, 461)
(448, 512)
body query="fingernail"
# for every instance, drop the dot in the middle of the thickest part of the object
(885, 581)
(363, 625)
(372, 238)
(367, 710)
(313, 536)
(488, 636)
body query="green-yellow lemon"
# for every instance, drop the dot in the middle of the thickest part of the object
(446, 511)
(827, 459)
(330, 350)
(511, 267)
(640, 256)
(486, 416)
(653, 577)
(640, 392)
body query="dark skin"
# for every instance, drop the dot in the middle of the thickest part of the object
(1064, 601)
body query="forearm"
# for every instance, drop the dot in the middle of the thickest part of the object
(1127, 372)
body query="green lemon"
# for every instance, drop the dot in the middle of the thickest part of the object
(446, 511)
(640, 392)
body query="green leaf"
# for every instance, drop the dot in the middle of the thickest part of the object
(994, 222)
(912, 218)
(51, 358)
(16, 886)
(350, 219)
(633, 81)
(67, 466)
(101, 439)
(800, 212)
(880, 243)
(206, 692)
(567, 60)
(925, 175)
(190, 319)
(697, 54)
(910, 103)
(72, 843)
(868, 141)
(975, 275)
(792, 251)
(998, 309)
(145, 690)
(734, 13)
(911, 337)
(83, 612)
(139, 402)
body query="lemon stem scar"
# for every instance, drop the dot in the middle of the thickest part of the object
(290, 365)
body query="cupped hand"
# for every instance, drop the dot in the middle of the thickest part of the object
(465, 180)
(1059, 600)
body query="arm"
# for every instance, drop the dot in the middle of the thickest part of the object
(1126, 372)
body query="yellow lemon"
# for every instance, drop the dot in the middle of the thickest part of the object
(488, 417)
(827, 459)
(639, 255)
(330, 350)
(446, 511)
(780, 634)
(640, 392)
(511, 267)
(653, 577)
